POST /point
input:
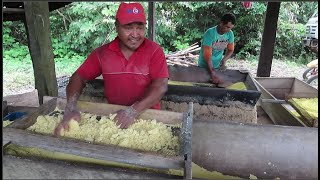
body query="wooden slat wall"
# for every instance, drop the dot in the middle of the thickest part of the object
(104, 109)
(101, 152)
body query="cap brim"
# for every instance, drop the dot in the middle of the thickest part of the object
(128, 21)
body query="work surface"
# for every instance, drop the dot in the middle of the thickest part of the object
(16, 168)
(254, 159)
(21, 168)
(28, 101)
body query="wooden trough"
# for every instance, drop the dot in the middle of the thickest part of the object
(275, 95)
(16, 134)
(202, 94)
(209, 94)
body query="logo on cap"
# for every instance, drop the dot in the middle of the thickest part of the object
(134, 11)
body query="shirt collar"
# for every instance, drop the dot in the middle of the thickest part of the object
(114, 45)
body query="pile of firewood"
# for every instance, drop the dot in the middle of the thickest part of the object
(184, 57)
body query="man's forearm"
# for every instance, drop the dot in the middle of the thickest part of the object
(153, 95)
(210, 67)
(73, 90)
(227, 55)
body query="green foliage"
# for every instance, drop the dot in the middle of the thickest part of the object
(7, 39)
(291, 28)
(248, 31)
(13, 50)
(80, 27)
(297, 12)
(288, 39)
(88, 25)
(184, 23)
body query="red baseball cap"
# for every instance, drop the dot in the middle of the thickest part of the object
(130, 12)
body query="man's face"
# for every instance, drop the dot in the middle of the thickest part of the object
(131, 35)
(226, 27)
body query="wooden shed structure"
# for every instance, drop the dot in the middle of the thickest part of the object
(35, 15)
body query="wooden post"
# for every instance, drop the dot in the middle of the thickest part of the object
(151, 21)
(40, 48)
(268, 39)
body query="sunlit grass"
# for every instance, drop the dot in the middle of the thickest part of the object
(18, 76)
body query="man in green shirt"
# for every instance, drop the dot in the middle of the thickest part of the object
(215, 40)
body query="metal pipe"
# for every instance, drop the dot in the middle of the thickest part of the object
(265, 151)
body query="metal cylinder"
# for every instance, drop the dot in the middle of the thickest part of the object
(265, 151)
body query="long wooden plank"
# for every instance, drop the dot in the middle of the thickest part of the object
(13, 10)
(31, 168)
(26, 122)
(273, 101)
(275, 83)
(104, 109)
(101, 152)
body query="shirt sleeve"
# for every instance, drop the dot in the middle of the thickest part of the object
(231, 39)
(207, 38)
(158, 65)
(207, 53)
(231, 46)
(91, 67)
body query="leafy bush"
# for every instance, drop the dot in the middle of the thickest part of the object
(80, 27)
(88, 25)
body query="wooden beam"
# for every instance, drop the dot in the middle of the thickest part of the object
(12, 10)
(4, 108)
(268, 39)
(40, 47)
(101, 152)
(151, 21)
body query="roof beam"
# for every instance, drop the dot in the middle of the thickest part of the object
(12, 10)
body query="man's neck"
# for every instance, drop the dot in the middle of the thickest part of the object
(126, 51)
(219, 30)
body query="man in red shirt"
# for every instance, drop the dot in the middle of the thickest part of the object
(134, 70)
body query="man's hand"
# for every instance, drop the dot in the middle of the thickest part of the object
(64, 124)
(215, 79)
(125, 117)
(223, 67)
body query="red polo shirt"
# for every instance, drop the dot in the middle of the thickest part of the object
(125, 81)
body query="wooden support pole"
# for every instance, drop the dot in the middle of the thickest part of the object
(40, 48)
(151, 21)
(268, 39)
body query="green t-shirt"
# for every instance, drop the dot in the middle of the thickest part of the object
(218, 43)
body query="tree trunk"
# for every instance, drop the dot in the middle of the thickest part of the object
(40, 48)
(151, 19)
(268, 39)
